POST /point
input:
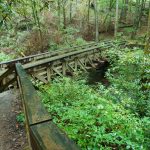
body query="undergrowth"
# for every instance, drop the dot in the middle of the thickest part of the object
(93, 121)
(4, 57)
(20, 119)
(129, 78)
(116, 117)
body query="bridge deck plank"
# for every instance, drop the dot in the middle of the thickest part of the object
(31, 58)
(48, 60)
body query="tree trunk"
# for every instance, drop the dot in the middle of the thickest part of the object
(64, 16)
(36, 17)
(96, 21)
(70, 10)
(111, 4)
(88, 17)
(116, 18)
(124, 11)
(147, 46)
(136, 18)
(141, 13)
(59, 20)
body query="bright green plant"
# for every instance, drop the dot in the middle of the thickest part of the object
(20, 118)
(5, 12)
(92, 121)
(129, 77)
(4, 57)
(80, 41)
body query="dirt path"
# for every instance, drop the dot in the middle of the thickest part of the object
(12, 136)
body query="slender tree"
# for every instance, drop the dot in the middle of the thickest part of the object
(116, 18)
(136, 18)
(108, 15)
(88, 17)
(64, 14)
(147, 46)
(35, 13)
(70, 13)
(96, 21)
(124, 10)
(140, 12)
(58, 10)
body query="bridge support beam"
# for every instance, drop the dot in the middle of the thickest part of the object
(61, 67)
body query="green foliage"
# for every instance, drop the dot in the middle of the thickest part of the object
(129, 77)
(7, 40)
(129, 30)
(69, 35)
(20, 118)
(93, 121)
(70, 39)
(4, 57)
(80, 41)
(53, 46)
(5, 11)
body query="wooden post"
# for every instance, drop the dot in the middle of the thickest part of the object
(64, 67)
(76, 64)
(48, 74)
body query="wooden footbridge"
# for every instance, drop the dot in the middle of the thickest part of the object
(46, 66)
(42, 133)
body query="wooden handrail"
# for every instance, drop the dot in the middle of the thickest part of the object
(43, 133)
(27, 59)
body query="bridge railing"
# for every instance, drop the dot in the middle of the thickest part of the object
(27, 59)
(7, 69)
(42, 133)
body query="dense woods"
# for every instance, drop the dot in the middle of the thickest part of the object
(28, 27)
(113, 116)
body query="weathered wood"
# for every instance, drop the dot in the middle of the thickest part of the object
(4, 86)
(90, 62)
(43, 133)
(58, 65)
(38, 64)
(52, 137)
(41, 78)
(64, 67)
(76, 64)
(48, 74)
(36, 57)
(81, 65)
(70, 67)
(57, 72)
(6, 73)
(24, 109)
(44, 73)
(48, 60)
(106, 44)
(36, 113)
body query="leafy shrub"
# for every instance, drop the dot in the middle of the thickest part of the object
(4, 57)
(70, 30)
(80, 41)
(91, 120)
(70, 35)
(129, 77)
(20, 118)
(6, 41)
